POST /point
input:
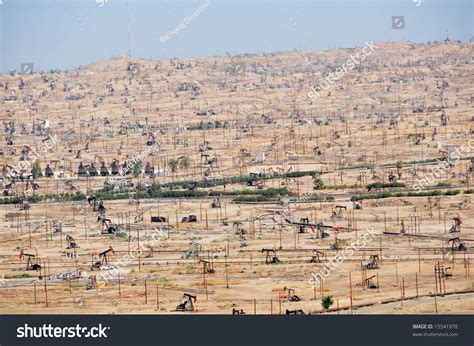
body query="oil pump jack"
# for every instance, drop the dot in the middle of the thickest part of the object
(194, 250)
(457, 245)
(289, 294)
(316, 256)
(71, 242)
(271, 257)
(304, 222)
(216, 203)
(96, 203)
(372, 262)
(103, 263)
(31, 262)
(91, 282)
(106, 226)
(187, 303)
(208, 267)
(457, 222)
(319, 227)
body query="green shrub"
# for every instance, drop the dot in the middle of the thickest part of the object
(327, 301)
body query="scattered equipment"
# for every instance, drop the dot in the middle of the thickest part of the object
(456, 227)
(304, 222)
(194, 250)
(457, 245)
(289, 294)
(208, 267)
(190, 218)
(91, 282)
(216, 203)
(271, 257)
(31, 263)
(103, 263)
(158, 219)
(372, 263)
(368, 283)
(315, 258)
(106, 226)
(71, 243)
(188, 303)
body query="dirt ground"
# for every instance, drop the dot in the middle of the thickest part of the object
(228, 117)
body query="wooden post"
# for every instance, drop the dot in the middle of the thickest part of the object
(205, 285)
(350, 290)
(444, 222)
(130, 238)
(157, 298)
(416, 281)
(120, 290)
(271, 306)
(436, 305)
(255, 306)
(380, 248)
(177, 225)
(419, 261)
(29, 229)
(226, 273)
(396, 273)
(139, 261)
(465, 266)
(146, 294)
(401, 297)
(45, 290)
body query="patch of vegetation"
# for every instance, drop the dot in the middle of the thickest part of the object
(326, 302)
(18, 276)
(256, 198)
(443, 184)
(406, 194)
(384, 185)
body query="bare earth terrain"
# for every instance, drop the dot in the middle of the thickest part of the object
(366, 188)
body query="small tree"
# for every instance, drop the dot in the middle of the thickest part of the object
(399, 168)
(36, 170)
(327, 301)
(173, 166)
(318, 184)
(137, 169)
(184, 163)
